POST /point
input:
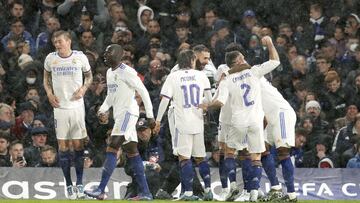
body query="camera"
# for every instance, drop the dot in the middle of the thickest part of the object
(20, 158)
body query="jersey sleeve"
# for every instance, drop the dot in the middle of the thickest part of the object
(85, 63)
(206, 82)
(47, 63)
(166, 89)
(223, 93)
(134, 81)
(264, 68)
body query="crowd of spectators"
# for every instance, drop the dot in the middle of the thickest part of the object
(318, 43)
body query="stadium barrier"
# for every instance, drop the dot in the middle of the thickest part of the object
(48, 183)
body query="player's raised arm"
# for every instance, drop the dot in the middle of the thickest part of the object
(273, 61)
(273, 54)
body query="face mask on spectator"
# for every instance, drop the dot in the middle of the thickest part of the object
(30, 81)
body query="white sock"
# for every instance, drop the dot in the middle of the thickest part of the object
(206, 190)
(292, 195)
(233, 185)
(188, 193)
(276, 187)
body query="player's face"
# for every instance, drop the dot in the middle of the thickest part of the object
(62, 44)
(108, 56)
(202, 59)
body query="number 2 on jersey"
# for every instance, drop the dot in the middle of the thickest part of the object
(191, 91)
(245, 96)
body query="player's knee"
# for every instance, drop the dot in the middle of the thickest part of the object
(131, 149)
(230, 152)
(198, 160)
(78, 144)
(267, 149)
(256, 163)
(255, 157)
(243, 155)
(63, 145)
(115, 142)
(183, 159)
(283, 153)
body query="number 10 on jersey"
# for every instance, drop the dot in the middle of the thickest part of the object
(191, 95)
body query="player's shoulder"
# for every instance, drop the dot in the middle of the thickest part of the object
(127, 69)
(77, 52)
(51, 55)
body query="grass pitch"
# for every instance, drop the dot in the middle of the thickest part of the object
(155, 201)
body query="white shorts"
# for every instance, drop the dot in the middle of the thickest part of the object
(250, 137)
(70, 123)
(126, 126)
(188, 145)
(223, 132)
(281, 131)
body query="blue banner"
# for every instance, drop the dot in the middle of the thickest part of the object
(48, 183)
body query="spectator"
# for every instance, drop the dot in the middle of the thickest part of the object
(343, 138)
(144, 15)
(248, 22)
(70, 11)
(313, 109)
(297, 152)
(352, 25)
(352, 110)
(23, 122)
(48, 156)
(339, 40)
(355, 161)
(298, 98)
(318, 29)
(210, 16)
(52, 25)
(18, 33)
(335, 96)
(321, 156)
(144, 41)
(7, 117)
(16, 151)
(39, 139)
(4, 152)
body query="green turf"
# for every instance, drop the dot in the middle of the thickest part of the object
(155, 201)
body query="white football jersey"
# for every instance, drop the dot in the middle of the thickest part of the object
(245, 93)
(67, 76)
(225, 112)
(272, 100)
(121, 85)
(209, 69)
(186, 89)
